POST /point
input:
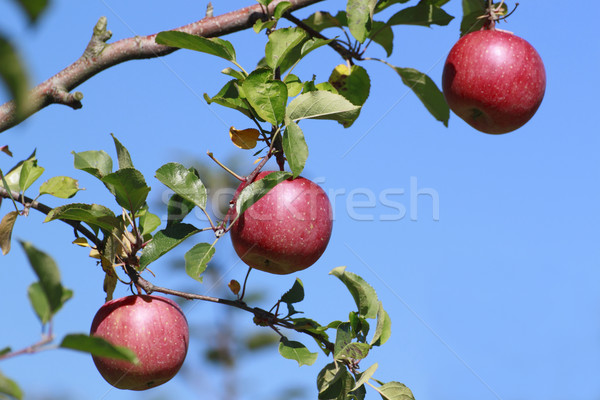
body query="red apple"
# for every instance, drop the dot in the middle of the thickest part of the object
(154, 328)
(494, 80)
(285, 231)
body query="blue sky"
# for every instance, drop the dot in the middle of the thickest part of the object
(490, 275)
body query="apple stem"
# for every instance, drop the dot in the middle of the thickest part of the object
(220, 164)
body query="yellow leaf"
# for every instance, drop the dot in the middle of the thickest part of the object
(81, 241)
(245, 138)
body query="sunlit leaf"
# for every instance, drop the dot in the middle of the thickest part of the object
(98, 346)
(197, 258)
(257, 189)
(427, 91)
(30, 172)
(321, 104)
(13, 176)
(364, 295)
(164, 241)
(39, 302)
(383, 329)
(230, 96)
(281, 43)
(295, 148)
(294, 350)
(122, 154)
(183, 181)
(425, 14)
(214, 46)
(60, 186)
(395, 391)
(96, 163)
(92, 214)
(266, 95)
(360, 17)
(129, 188)
(365, 376)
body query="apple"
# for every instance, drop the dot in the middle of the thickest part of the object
(154, 328)
(287, 230)
(494, 80)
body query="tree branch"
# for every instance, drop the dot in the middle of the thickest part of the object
(100, 55)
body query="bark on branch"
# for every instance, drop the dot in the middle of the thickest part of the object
(100, 55)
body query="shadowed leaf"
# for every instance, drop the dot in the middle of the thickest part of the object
(98, 347)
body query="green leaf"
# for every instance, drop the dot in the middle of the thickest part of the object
(49, 276)
(321, 104)
(129, 188)
(281, 43)
(353, 84)
(177, 209)
(96, 163)
(197, 258)
(295, 294)
(234, 73)
(184, 182)
(343, 338)
(12, 73)
(6, 228)
(425, 14)
(266, 96)
(360, 17)
(257, 189)
(98, 346)
(39, 302)
(383, 35)
(427, 91)
(395, 391)
(280, 9)
(60, 186)
(12, 177)
(322, 20)
(353, 351)
(295, 148)
(148, 222)
(293, 350)
(30, 172)
(10, 388)
(33, 8)
(330, 381)
(122, 154)
(365, 376)
(294, 85)
(5, 350)
(383, 330)
(229, 96)
(383, 4)
(364, 295)
(164, 241)
(259, 25)
(214, 46)
(92, 214)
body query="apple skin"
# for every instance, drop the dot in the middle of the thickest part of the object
(153, 327)
(287, 230)
(494, 80)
